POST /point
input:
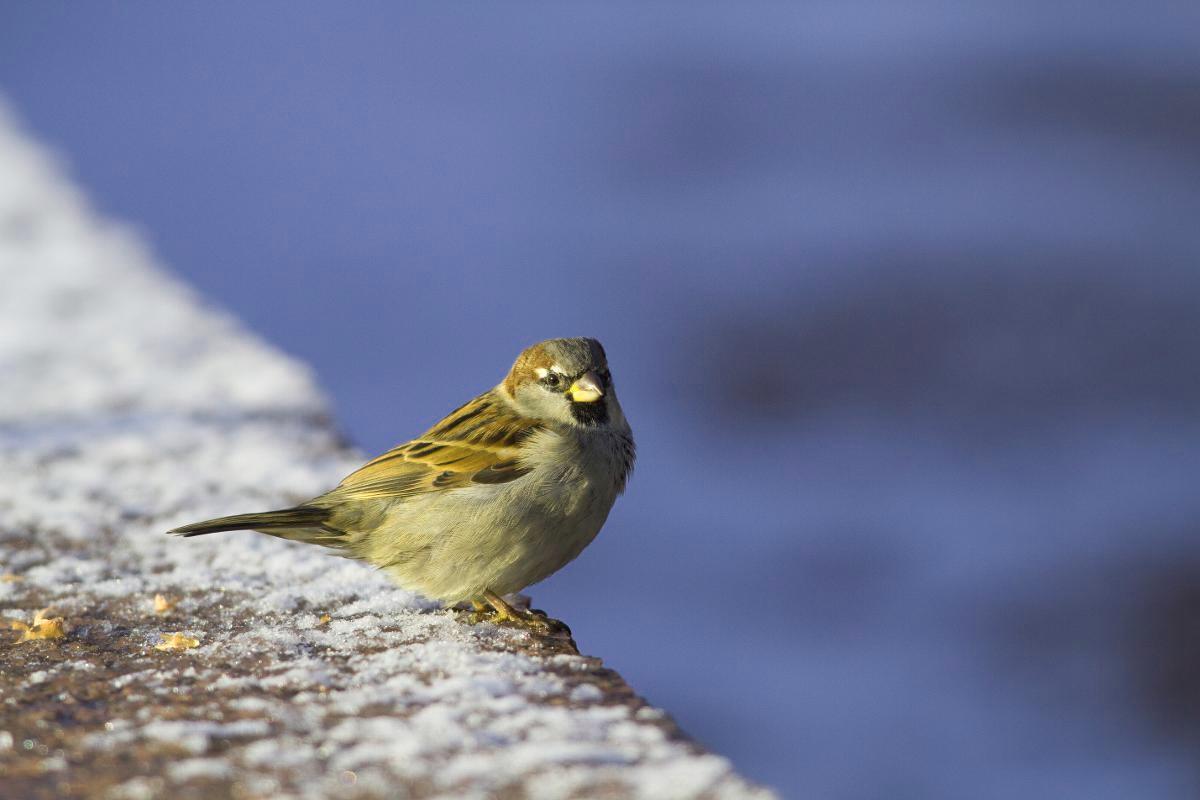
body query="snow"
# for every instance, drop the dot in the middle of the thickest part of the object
(128, 408)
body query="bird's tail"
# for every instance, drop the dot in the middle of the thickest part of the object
(302, 524)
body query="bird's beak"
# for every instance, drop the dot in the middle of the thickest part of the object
(588, 389)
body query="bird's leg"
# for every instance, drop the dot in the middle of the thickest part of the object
(523, 619)
(504, 611)
(476, 609)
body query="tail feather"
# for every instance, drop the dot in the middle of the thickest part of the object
(303, 523)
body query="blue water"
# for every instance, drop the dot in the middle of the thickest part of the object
(902, 302)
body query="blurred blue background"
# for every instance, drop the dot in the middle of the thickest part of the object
(903, 303)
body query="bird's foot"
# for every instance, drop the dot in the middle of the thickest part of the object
(536, 621)
(495, 609)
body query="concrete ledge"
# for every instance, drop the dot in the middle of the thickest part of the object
(126, 407)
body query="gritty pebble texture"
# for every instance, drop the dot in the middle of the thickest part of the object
(128, 408)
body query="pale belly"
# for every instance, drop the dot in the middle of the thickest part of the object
(500, 538)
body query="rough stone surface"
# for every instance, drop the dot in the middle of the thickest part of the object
(127, 408)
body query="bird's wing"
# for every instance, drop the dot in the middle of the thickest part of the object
(477, 443)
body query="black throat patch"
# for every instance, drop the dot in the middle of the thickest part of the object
(590, 413)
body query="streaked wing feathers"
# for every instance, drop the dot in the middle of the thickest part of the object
(476, 443)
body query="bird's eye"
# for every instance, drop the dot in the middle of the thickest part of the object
(552, 380)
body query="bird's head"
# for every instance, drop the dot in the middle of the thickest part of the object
(565, 381)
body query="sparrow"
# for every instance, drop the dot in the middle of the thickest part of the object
(500, 494)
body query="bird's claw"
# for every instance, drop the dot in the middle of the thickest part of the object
(499, 612)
